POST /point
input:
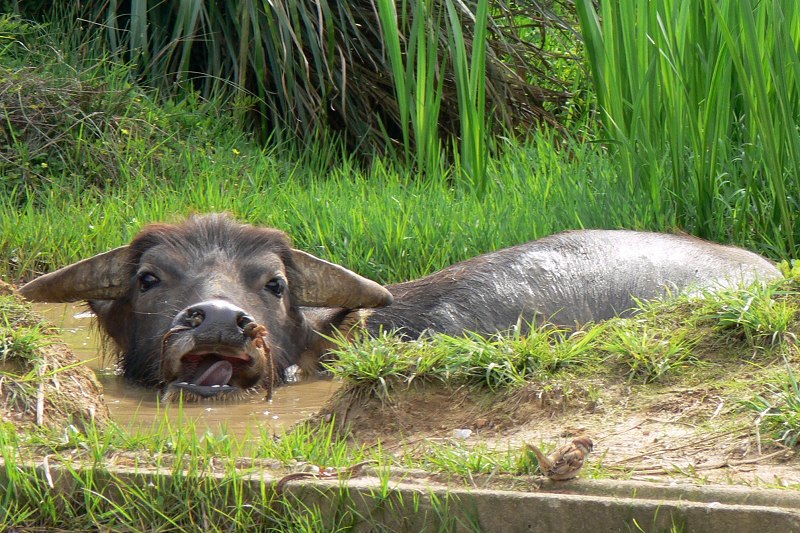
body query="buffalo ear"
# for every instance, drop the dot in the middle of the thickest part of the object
(317, 283)
(102, 277)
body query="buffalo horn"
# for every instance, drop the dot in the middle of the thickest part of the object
(102, 277)
(318, 283)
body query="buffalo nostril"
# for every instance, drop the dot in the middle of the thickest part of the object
(194, 317)
(243, 319)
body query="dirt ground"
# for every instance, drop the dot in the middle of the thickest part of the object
(672, 434)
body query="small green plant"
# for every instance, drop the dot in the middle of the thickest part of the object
(22, 336)
(22, 343)
(569, 349)
(460, 460)
(650, 355)
(676, 525)
(374, 362)
(761, 314)
(318, 444)
(486, 361)
(778, 409)
(465, 460)
(790, 269)
(512, 361)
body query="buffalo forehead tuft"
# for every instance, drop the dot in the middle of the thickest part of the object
(199, 236)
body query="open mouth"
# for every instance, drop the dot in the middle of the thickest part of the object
(208, 373)
(196, 367)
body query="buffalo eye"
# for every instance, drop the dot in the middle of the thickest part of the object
(276, 286)
(147, 280)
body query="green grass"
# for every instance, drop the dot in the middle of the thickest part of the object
(778, 408)
(463, 461)
(180, 480)
(699, 103)
(663, 340)
(23, 334)
(651, 355)
(22, 368)
(498, 363)
(763, 315)
(397, 233)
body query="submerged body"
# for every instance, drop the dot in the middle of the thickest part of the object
(180, 299)
(569, 278)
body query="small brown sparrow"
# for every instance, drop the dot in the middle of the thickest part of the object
(566, 461)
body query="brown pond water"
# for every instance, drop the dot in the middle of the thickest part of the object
(137, 407)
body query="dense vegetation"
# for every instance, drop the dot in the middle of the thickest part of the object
(665, 115)
(672, 144)
(109, 156)
(702, 101)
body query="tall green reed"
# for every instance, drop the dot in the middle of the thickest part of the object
(701, 101)
(419, 70)
(471, 88)
(418, 81)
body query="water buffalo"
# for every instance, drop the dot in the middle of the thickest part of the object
(182, 301)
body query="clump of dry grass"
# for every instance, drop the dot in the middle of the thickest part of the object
(311, 68)
(63, 117)
(49, 121)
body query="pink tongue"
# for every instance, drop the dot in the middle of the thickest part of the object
(217, 374)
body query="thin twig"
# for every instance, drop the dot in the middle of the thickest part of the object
(40, 397)
(348, 472)
(659, 470)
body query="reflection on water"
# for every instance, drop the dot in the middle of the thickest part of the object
(137, 407)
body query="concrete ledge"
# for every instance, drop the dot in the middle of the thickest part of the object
(581, 506)
(411, 502)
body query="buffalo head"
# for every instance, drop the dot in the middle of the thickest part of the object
(181, 302)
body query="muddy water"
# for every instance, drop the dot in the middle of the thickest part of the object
(136, 407)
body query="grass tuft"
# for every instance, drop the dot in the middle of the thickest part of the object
(22, 334)
(760, 314)
(778, 409)
(498, 362)
(651, 355)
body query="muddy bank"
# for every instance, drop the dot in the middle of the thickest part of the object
(42, 383)
(689, 389)
(642, 433)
